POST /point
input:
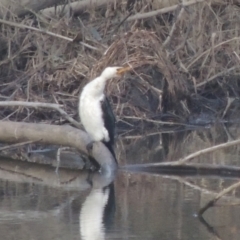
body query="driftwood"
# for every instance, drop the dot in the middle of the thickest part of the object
(16, 132)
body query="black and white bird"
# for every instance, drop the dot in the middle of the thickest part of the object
(95, 111)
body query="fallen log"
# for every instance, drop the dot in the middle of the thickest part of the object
(16, 132)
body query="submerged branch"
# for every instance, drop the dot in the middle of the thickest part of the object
(205, 191)
(216, 198)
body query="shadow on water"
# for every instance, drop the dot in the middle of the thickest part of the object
(35, 203)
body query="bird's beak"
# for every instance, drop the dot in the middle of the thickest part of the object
(122, 70)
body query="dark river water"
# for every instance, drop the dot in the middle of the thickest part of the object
(37, 204)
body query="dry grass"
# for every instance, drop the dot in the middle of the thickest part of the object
(191, 51)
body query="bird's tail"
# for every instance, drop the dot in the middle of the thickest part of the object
(111, 149)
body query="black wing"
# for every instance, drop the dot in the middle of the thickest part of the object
(109, 119)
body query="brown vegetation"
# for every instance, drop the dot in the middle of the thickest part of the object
(185, 60)
(186, 54)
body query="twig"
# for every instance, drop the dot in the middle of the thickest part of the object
(58, 157)
(219, 195)
(120, 24)
(191, 156)
(209, 228)
(210, 49)
(229, 103)
(207, 150)
(162, 10)
(236, 55)
(215, 76)
(174, 26)
(17, 145)
(41, 105)
(125, 136)
(155, 121)
(203, 190)
(45, 32)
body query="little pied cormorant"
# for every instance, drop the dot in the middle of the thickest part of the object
(95, 110)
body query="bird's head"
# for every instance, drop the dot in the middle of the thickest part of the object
(111, 72)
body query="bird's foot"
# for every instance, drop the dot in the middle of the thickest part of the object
(94, 164)
(89, 177)
(90, 147)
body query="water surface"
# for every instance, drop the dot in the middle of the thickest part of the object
(37, 204)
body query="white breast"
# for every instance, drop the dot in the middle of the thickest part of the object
(91, 116)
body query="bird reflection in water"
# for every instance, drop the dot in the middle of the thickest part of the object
(97, 212)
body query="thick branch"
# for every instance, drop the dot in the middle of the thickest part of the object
(163, 10)
(76, 7)
(13, 132)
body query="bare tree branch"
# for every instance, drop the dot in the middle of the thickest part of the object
(205, 191)
(184, 160)
(18, 25)
(216, 76)
(76, 7)
(162, 10)
(41, 105)
(174, 27)
(207, 150)
(219, 195)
